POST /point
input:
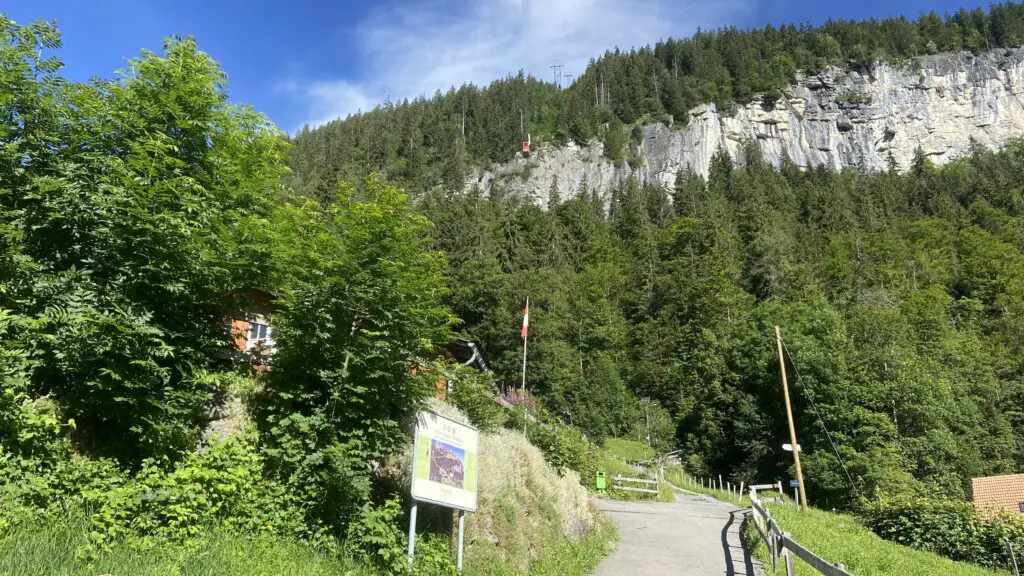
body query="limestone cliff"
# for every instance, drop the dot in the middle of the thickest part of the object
(835, 117)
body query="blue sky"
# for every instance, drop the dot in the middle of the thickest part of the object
(308, 62)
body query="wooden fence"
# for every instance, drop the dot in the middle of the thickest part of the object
(621, 483)
(780, 544)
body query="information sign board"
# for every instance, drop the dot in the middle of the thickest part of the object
(445, 457)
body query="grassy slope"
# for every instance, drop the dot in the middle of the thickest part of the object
(838, 538)
(568, 559)
(614, 454)
(676, 476)
(842, 538)
(628, 449)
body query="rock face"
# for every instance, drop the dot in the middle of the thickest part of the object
(836, 118)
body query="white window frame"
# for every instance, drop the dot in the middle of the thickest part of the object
(261, 324)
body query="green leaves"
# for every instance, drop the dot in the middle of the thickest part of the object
(121, 238)
(358, 310)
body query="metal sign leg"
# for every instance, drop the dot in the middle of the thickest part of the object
(412, 532)
(462, 531)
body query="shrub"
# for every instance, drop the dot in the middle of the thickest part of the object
(221, 486)
(853, 98)
(472, 392)
(564, 447)
(376, 537)
(950, 528)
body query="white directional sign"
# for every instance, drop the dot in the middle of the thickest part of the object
(789, 447)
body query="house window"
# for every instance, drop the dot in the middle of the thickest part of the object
(1021, 507)
(261, 337)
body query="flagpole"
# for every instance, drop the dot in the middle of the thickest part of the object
(525, 332)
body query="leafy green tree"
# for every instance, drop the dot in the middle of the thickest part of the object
(359, 309)
(130, 240)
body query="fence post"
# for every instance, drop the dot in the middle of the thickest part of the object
(790, 565)
(719, 481)
(1013, 557)
(741, 489)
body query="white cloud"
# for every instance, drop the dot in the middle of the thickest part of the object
(406, 51)
(333, 99)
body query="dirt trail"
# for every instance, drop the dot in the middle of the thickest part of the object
(693, 536)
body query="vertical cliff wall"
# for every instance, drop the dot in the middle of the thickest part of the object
(837, 118)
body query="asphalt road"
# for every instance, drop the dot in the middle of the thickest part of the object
(693, 536)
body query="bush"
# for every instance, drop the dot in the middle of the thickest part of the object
(950, 528)
(564, 447)
(472, 392)
(376, 538)
(221, 486)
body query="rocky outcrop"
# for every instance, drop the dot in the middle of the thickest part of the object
(836, 118)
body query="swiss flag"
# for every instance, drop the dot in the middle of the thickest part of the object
(526, 317)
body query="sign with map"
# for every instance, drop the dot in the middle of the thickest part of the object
(444, 462)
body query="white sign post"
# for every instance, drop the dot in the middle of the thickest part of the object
(444, 470)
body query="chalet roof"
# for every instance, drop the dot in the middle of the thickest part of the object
(993, 494)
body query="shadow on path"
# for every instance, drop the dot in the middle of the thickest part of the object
(733, 539)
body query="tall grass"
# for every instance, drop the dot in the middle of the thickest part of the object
(51, 550)
(628, 449)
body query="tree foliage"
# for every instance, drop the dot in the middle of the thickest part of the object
(897, 295)
(136, 216)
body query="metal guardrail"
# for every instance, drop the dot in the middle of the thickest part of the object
(780, 544)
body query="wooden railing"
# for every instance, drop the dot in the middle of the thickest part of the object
(779, 543)
(619, 483)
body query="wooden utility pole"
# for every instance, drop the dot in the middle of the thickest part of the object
(789, 417)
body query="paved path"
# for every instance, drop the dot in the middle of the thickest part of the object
(693, 536)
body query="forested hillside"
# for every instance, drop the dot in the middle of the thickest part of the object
(434, 141)
(899, 293)
(900, 298)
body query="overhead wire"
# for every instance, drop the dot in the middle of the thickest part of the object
(814, 407)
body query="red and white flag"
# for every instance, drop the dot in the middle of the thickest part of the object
(526, 318)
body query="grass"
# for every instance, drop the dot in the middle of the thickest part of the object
(614, 456)
(842, 538)
(568, 559)
(835, 538)
(529, 515)
(628, 449)
(50, 550)
(677, 476)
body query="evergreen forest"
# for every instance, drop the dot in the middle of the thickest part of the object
(896, 289)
